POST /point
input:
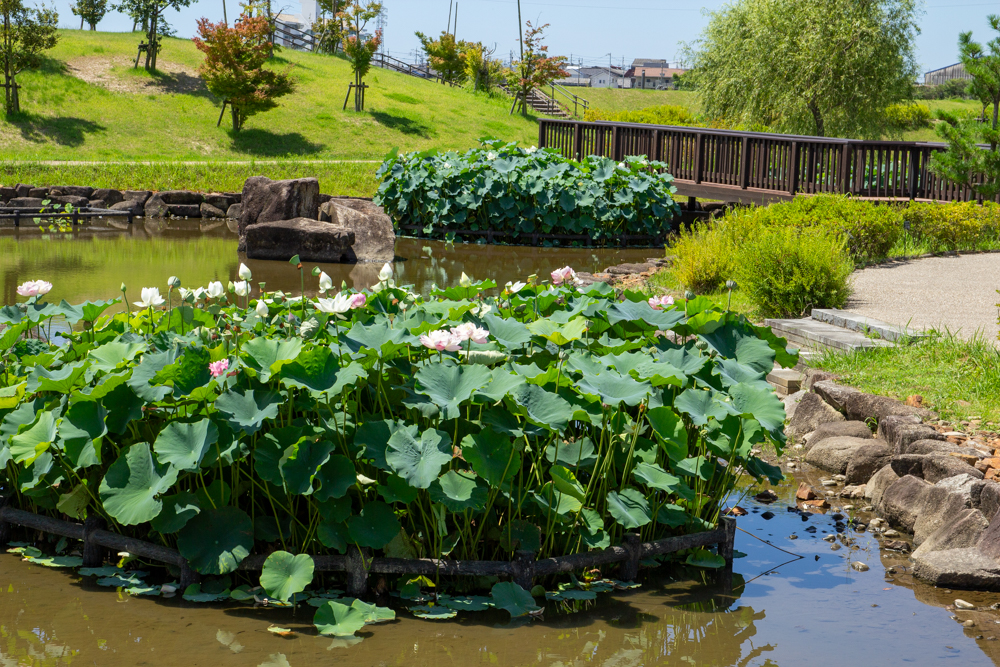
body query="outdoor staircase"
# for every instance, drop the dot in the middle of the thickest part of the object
(841, 331)
(541, 103)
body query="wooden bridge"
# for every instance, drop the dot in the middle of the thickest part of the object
(759, 168)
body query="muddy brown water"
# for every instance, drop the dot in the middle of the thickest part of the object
(815, 610)
(92, 262)
(812, 611)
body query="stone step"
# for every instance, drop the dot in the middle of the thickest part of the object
(815, 334)
(869, 325)
(785, 380)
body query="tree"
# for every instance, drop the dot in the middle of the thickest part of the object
(234, 66)
(328, 28)
(90, 11)
(24, 34)
(536, 68)
(966, 162)
(150, 13)
(820, 67)
(446, 56)
(358, 46)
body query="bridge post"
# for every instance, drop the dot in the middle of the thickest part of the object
(657, 152)
(745, 163)
(698, 151)
(577, 141)
(912, 181)
(793, 169)
(845, 169)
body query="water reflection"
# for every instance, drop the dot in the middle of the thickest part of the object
(92, 262)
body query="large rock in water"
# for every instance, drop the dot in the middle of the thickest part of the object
(265, 200)
(867, 460)
(811, 412)
(374, 235)
(834, 454)
(967, 568)
(311, 240)
(836, 429)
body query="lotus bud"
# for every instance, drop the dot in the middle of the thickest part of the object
(385, 273)
(465, 281)
(261, 309)
(122, 288)
(244, 272)
(173, 282)
(231, 288)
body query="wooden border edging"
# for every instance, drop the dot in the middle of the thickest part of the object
(359, 564)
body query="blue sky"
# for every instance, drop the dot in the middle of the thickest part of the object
(589, 30)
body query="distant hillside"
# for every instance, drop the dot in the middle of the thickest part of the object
(87, 103)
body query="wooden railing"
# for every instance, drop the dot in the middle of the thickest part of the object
(757, 167)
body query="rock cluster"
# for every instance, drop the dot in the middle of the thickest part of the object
(176, 203)
(941, 486)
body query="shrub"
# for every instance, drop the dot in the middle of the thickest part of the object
(786, 271)
(550, 418)
(906, 117)
(704, 257)
(517, 192)
(666, 114)
(954, 226)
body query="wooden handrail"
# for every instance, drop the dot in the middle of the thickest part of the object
(757, 167)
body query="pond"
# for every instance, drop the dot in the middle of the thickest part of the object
(815, 610)
(92, 262)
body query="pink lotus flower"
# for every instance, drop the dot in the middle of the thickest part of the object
(34, 288)
(658, 302)
(469, 331)
(565, 274)
(217, 368)
(441, 340)
(358, 300)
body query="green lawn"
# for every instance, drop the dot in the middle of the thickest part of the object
(630, 99)
(87, 103)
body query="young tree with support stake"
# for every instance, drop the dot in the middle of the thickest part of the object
(90, 12)
(359, 51)
(966, 162)
(234, 66)
(151, 14)
(536, 68)
(24, 34)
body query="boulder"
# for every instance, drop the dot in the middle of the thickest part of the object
(966, 568)
(989, 544)
(835, 429)
(985, 495)
(210, 211)
(237, 197)
(219, 200)
(141, 196)
(941, 506)
(811, 412)
(72, 200)
(233, 211)
(265, 200)
(901, 430)
(863, 407)
(903, 501)
(185, 210)
(110, 196)
(868, 460)
(181, 197)
(964, 531)
(311, 240)
(374, 235)
(879, 482)
(97, 203)
(7, 193)
(132, 205)
(908, 464)
(834, 394)
(937, 467)
(939, 447)
(156, 207)
(40, 193)
(84, 191)
(792, 402)
(814, 375)
(834, 454)
(25, 202)
(22, 190)
(960, 484)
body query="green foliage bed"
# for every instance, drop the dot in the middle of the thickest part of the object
(518, 191)
(550, 417)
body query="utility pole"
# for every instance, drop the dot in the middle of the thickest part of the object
(448, 29)
(454, 33)
(520, 40)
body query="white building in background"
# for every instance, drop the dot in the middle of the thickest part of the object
(594, 77)
(291, 26)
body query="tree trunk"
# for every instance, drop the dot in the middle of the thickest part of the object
(996, 110)
(154, 21)
(15, 98)
(81, 23)
(818, 119)
(236, 117)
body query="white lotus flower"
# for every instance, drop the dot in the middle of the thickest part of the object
(491, 156)
(385, 273)
(261, 309)
(150, 298)
(514, 288)
(242, 288)
(531, 150)
(441, 340)
(34, 288)
(622, 165)
(338, 304)
(216, 290)
(244, 272)
(325, 282)
(465, 280)
(469, 331)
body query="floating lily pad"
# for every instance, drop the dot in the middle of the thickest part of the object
(512, 598)
(193, 593)
(103, 571)
(278, 630)
(570, 594)
(143, 590)
(119, 581)
(466, 602)
(58, 561)
(337, 619)
(283, 574)
(433, 613)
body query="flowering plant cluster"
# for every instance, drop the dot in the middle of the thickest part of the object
(518, 192)
(543, 416)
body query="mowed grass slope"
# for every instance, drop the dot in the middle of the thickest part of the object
(87, 103)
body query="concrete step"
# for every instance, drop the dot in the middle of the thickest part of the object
(817, 335)
(869, 325)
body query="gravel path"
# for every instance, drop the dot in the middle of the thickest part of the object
(957, 292)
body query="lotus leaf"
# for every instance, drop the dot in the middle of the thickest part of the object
(513, 599)
(284, 574)
(629, 508)
(374, 527)
(338, 620)
(448, 386)
(492, 456)
(459, 491)
(178, 509)
(184, 445)
(418, 461)
(216, 540)
(132, 485)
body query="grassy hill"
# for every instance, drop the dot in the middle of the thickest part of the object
(88, 104)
